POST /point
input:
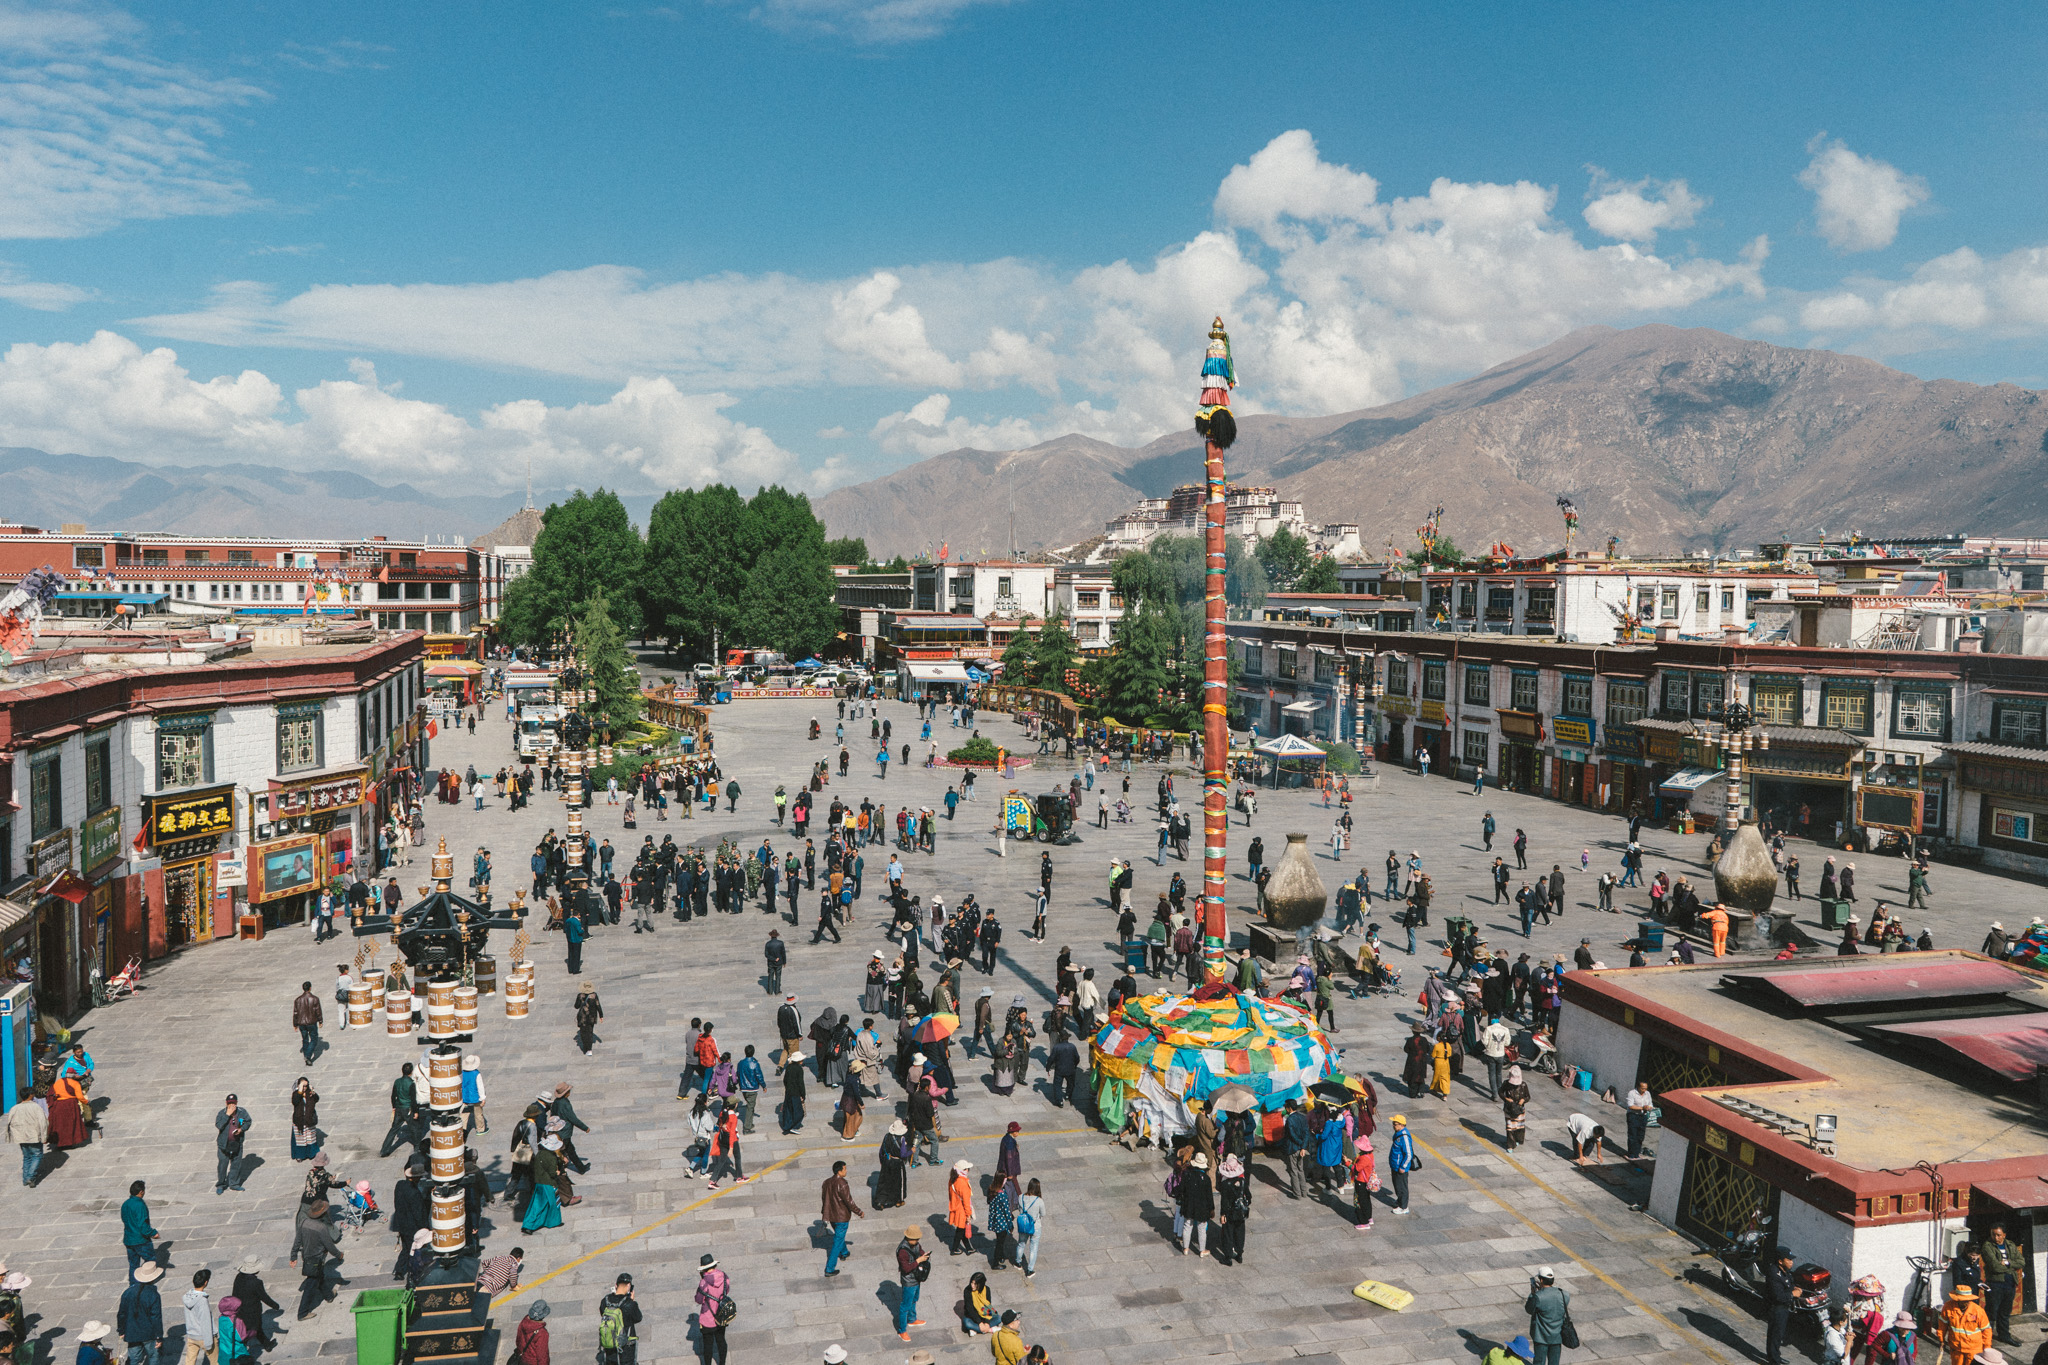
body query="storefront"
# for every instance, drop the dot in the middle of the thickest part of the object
(185, 830)
(1432, 736)
(321, 806)
(1802, 785)
(1574, 776)
(1394, 713)
(59, 966)
(2002, 793)
(1626, 777)
(101, 864)
(1521, 764)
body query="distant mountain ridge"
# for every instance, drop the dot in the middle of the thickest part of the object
(108, 494)
(1670, 438)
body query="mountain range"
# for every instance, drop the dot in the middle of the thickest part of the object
(1671, 439)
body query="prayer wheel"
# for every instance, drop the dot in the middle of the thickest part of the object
(487, 975)
(448, 1223)
(441, 1020)
(516, 998)
(444, 1149)
(376, 995)
(440, 993)
(445, 1063)
(360, 1014)
(465, 1010)
(443, 1096)
(398, 1013)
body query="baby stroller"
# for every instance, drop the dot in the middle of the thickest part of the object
(360, 1207)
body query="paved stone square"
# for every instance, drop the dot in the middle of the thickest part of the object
(1110, 1286)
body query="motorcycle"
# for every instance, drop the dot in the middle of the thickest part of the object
(1745, 1274)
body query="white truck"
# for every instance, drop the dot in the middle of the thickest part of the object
(540, 731)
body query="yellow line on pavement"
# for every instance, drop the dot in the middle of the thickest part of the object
(1574, 1256)
(665, 1220)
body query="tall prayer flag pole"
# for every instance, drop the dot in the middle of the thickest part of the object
(1214, 421)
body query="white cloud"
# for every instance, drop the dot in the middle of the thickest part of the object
(1287, 183)
(108, 396)
(1636, 211)
(866, 21)
(1336, 297)
(1858, 200)
(94, 132)
(1949, 296)
(40, 295)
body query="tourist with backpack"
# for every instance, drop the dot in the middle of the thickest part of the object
(618, 1325)
(715, 1310)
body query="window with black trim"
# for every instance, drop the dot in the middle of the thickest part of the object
(1777, 701)
(1542, 606)
(1287, 665)
(1522, 691)
(1845, 707)
(184, 751)
(1677, 693)
(1920, 713)
(1433, 680)
(1474, 746)
(1478, 685)
(45, 794)
(1500, 604)
(1626, 702)
(99, 772)
(2019, 723)
(1708, 692)
(299, 737)
(1577, 699)
(1397, 677)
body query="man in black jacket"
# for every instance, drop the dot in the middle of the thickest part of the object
(408, 1215)
(788, 1026)
(405, 1097)
(792, 1092)
(776, 952)
(627, 1328)
(1064, 1061)
(1778, 1303)
(991, 936)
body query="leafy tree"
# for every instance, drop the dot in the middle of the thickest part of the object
(607, 667)
(1133, 682)
(587, 547)
(789, 599)
(1054, 653)
(847, 550)
(695, 576)
(521, 615)
(1447, 556)
(1320, 576)
(1020, 659)
(1285, 556)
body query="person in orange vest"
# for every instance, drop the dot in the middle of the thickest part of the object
(1965, 1331)
(1717, 922)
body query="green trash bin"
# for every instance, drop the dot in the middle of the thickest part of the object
(1834, 914)
(380, 1325)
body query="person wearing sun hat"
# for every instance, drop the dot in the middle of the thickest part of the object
(92, 1349)
(1515, 1351)
(960, 1207)
(544, 1206)
(913, 1265)
(713, 1286)
(140, 1317)
(1401, 1159)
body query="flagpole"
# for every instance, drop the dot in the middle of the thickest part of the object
(1214, 421)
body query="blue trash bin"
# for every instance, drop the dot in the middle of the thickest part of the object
(1134, 954)
(1651, 934)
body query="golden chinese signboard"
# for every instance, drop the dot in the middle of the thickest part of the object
(189, 815)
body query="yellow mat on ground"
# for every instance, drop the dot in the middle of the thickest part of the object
(1383, 1294)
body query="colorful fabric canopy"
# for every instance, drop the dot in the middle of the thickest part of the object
(1164, 1050)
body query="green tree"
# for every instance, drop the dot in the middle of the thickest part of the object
(1285, 556)
(789, 602)
(606, 665)
(1020, 658)
(694, 576)
(847, 550)
(587, 546)
(1054, 653)
(1320, 576)
(1133, 684)
(1447, 556)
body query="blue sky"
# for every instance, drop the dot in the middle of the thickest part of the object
(812, 240)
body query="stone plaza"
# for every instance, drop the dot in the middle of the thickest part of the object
(1111, 1285)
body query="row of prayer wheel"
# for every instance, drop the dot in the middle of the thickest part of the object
(447, 1212)
(452, 1009)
